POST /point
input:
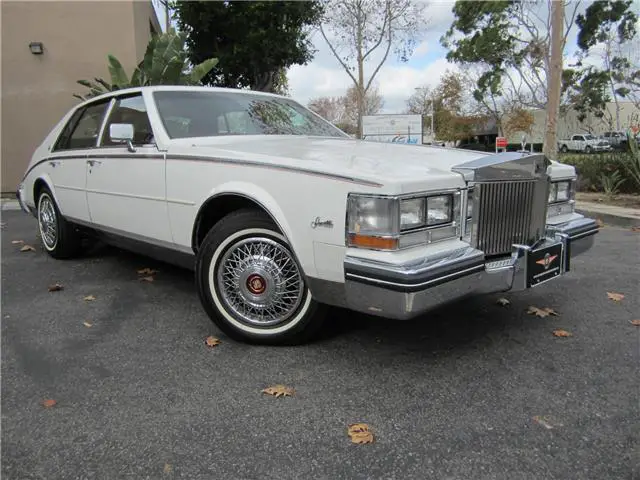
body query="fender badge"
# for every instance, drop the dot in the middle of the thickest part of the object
(317, 222)
(547, 260)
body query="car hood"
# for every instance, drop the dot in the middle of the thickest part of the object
(408, 167)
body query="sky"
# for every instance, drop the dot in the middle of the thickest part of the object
(396, 81)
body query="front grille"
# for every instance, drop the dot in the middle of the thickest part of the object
(508, 213)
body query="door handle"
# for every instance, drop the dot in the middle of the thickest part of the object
(54, 163)
(93, 163)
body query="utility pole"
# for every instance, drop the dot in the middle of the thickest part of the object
(554, 82)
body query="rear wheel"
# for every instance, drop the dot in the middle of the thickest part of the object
(588, 149)
(59, 237)
(564, 149)
(251, 285)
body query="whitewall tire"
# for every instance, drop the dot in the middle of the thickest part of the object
(251, 284)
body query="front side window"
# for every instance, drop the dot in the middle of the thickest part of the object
(83, 128)
(130, 110)
(189, 114)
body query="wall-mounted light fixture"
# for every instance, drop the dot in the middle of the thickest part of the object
(36, 48)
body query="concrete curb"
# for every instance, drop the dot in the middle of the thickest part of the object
(618, 220)
(10, 205)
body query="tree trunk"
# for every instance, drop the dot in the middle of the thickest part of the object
(360, 93)
(554, 83)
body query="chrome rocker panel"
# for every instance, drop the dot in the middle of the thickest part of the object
(404, 292)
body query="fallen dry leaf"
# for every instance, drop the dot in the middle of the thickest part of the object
(17, 242)
(89, 298)
(616, 297)
(546, 421)
(48, 403)
(147, 271)
(146, 279)
(562, 333)
(360, 433)
(56, 287)
(279, 391)
(542, 312)
(27, 248)
(167, 468)
(635, 229)
(212, 341)
(635, 322)
(87, 324)
(600, 223)
(503, 302)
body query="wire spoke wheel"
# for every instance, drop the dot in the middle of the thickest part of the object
(48, 222)
(259, 282)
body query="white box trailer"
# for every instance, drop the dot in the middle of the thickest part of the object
(392, 128)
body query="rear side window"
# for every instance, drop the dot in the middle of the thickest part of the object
(83, 128)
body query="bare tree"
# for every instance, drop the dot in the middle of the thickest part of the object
(329, 108)
(373, 103)
(358, 30)
(528, 75)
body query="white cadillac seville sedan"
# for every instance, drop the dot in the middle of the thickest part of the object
(281, 214)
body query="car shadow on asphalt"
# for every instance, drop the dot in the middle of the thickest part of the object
(472, 320)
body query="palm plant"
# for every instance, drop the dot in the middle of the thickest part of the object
(165, 62)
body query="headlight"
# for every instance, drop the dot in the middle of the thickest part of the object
(562, 191)
(412, 213)
(390, 223)
(439, 209)
(373, 222)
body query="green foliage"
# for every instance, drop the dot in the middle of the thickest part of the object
(165, 62)
(611, 183)
(603, 16)
(608, 24)
(480, 34)
(254, 41)
(589, 94)
(632, 161)
(591, 169)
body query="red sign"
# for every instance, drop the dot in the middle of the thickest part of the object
(501, 142)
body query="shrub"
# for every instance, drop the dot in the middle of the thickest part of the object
(593, 168)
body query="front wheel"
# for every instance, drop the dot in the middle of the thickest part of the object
(251, 285)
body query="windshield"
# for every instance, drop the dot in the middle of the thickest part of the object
(187, 114)
(589, 137)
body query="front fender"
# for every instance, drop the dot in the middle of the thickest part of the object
(263, 198)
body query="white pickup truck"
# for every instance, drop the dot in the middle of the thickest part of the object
(586, 143)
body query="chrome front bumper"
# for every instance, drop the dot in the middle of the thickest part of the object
(406, 291)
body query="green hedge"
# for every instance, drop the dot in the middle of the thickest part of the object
(591, 167)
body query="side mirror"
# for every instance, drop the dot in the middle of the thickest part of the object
(122, 133)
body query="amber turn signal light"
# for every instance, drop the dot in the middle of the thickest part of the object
(379, 243)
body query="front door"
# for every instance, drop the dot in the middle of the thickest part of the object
(126, 190)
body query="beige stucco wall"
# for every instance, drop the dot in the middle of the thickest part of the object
(37, 90)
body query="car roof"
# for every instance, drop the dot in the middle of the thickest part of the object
(177, 88)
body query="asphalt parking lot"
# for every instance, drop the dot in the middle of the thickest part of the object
(473, 391)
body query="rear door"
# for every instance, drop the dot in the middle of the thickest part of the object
(67, 166)
(126, 190)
